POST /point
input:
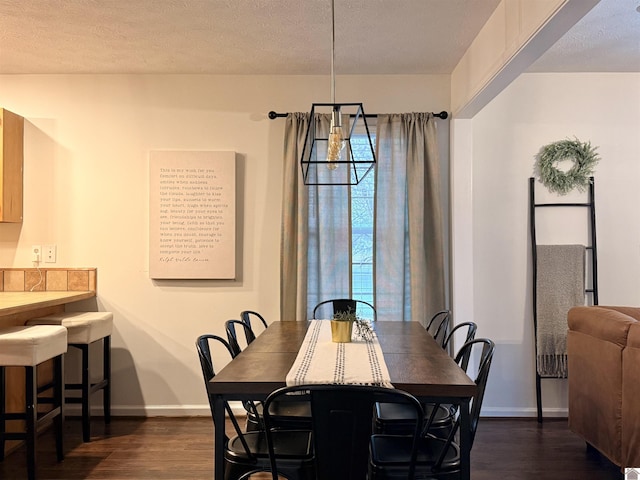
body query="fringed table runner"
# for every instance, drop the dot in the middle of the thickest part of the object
(321, 361)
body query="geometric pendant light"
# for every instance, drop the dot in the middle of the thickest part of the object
(344, 154)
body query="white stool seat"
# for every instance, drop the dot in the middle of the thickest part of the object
(82, 327)
(27, 347)
(32, 345)
(83, 330)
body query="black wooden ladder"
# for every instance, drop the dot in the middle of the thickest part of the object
(590, 204)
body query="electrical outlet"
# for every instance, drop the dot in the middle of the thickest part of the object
(36, 253)
(49, 253)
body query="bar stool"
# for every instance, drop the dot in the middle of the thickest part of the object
(85, 328)
(28, 347)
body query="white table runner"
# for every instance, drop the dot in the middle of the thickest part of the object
(321, 361)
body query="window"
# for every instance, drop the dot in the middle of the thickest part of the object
(362, 199)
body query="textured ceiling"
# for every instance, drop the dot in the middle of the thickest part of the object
(284, 36)
(607, 39)
(236, 36)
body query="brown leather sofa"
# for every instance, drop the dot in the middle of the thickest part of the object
(603, 346)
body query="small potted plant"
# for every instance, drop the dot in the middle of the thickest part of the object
(342, 325)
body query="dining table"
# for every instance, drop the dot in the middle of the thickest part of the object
(416, 364)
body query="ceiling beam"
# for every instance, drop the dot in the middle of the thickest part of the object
(515, 36)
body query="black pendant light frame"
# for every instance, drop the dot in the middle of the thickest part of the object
(359, 162)
(316, 169)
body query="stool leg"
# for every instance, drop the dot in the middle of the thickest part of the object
(3, 424)
(86, 395)
(31, 389)
(106, 345)
(58, 401)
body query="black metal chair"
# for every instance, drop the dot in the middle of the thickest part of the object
(253, 409)
(439, 326)
(397, 419)
(394, 419)
(247, 451)
(436, 457)
(232, 335)
(471, 329)
(341, 426)
(437, 319)
(290, 415)
(327, 308)
(252, 318)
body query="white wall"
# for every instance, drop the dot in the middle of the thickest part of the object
(535, 110)
(87, 140)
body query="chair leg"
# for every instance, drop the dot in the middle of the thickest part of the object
(3, 424)
(106, 346)
(58, 396)
(86, 394)
(31, 402)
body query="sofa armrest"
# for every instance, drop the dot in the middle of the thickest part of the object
(630, 396)
(596, 342)
(606, 323)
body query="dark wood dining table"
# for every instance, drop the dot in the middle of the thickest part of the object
(416, 364)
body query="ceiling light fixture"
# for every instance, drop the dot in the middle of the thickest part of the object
(347, 142)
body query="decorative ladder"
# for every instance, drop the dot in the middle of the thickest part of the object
(590, 205)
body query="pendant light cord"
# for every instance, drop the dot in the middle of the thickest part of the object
(333, 52)
(273, 115)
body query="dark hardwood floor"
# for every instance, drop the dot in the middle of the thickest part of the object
(523, 449)
(181, 448)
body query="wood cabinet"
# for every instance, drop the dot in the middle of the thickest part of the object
(11, 160)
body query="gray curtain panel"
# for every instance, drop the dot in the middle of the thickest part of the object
(294, 232)
(316, 254)
(408, 252)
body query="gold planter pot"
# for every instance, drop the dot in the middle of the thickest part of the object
(341, 331)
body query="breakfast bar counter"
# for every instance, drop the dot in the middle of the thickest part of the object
(12, 303)
(18, 307)
(30, 293)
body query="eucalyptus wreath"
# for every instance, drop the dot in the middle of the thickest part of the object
(584, 158)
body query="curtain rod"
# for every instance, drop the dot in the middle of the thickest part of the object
(273, 115)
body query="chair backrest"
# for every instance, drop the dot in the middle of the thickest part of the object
(203, 347)
(247, 315)
(471, 328)
(487, 348)
(341, 424)
(327, 308)
(232, 336)
(204, 344)
(438, 326)
(481, 351)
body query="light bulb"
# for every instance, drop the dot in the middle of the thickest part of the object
(336, 141)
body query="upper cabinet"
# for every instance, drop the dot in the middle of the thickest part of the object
(11, 160)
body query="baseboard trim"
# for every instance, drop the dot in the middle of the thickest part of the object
(236, 407)
(153, 410)
(523, 412)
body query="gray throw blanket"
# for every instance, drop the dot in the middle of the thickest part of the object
(559, 286)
